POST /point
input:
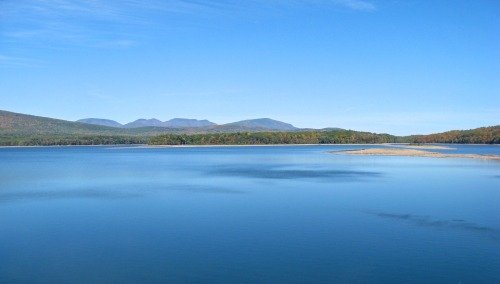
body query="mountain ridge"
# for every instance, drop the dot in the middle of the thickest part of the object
(258, 123)
(101, 121)
(23, 130)
(265, 123)
(172, 123)
(187, 122)
(144, 123)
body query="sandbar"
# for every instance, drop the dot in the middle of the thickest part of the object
(412, 153)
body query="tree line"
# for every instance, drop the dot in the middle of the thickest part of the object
(483, 135)
(73, 140)
(269, 138)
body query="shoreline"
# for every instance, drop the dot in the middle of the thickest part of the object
(412, 153)
(250, 145)
(403, 146)
(57, 146)
(146, 146)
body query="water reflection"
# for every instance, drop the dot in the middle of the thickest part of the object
(251, 215)
(63, 194)
(106, 193)
(454, 224)
(279, 173)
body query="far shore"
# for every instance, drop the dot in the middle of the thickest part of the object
(397, 146)
(412, 153)
(251, 145)
(57, 146)
(126, 146)
(402, 145)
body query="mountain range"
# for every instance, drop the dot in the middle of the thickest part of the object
(260, 123)
(15, 126)
(24, 130)
(173, 123)
(100, 121)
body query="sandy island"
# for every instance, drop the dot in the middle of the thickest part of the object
(413, 153)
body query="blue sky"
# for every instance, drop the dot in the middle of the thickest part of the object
(394, 66)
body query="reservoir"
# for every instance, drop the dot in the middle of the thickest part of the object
(267, 214)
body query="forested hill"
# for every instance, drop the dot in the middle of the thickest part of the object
(22, 125)
(483, 135)
(269, 138)
(264, 123)
(27, 130)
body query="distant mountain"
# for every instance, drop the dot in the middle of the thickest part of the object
(22, 126)
(21, 129)
(252, 125)
(100, 121)
(144, 123)
(28, 126)
(173, 123)
(482, 135)
(265, 123)
(184, 122)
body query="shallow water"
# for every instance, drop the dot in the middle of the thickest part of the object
(247, 215)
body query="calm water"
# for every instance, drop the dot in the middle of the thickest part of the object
(246, 215)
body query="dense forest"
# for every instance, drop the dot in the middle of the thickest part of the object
(265, 138)
(22, 125)
(483, 135)
(74, 140)
(27, 130)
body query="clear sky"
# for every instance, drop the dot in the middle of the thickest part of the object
(394, 66)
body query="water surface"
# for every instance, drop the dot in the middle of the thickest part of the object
(247, 215)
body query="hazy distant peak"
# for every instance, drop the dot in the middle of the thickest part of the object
(144, 123)
(264, 123)
(151, 120)
(100, 121)
(260, 123)
(187, 122)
